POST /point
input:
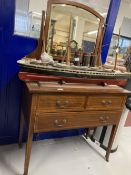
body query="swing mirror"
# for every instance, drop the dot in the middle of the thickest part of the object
(71, 28)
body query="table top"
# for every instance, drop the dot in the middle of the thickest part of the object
(43, 87)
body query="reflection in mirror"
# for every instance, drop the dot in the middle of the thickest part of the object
(21, 17)
(72, 31)
(28, 14)
(28, 18)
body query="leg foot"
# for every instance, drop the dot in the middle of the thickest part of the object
(107, 158)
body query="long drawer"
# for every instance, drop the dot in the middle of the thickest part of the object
(101, 102)
(54, 103)
(63, 121)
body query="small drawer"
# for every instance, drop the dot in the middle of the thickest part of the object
(69, 120)
(105, 102)
(54, 103)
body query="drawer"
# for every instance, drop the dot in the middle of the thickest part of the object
(63, 121)
(54, 103)
(105, 102)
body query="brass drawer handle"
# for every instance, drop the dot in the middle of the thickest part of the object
(109, 102)
(101, 118)
(106, 102)
(62, 104)
(104, 119)
(64, 121)
(60, 124)
(103, 102)
(107, 117)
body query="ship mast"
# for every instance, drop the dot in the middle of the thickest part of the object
(68, 44)
(117, 50)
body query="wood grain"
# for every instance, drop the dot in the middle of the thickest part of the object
(57, 103)
(75, 88)
(102, 102)
(63, 121)
(53, 107)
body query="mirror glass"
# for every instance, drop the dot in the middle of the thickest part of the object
(28, 14)
(71, 28)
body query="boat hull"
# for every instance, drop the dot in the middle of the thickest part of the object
(35, 73)
(27, 76)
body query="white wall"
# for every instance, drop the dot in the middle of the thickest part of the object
(38, 5)
(125, 11)
(22, 6)
(126, 27)
(98, 5)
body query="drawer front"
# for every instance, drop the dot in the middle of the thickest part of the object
(63, 121)
(52, 103)
(105, 102)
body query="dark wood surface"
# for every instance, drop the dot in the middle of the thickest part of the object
(105, 102)
(63, 121)
(49, 106)
(60, 103)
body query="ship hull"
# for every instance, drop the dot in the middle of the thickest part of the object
(27, 76)
(31, 73)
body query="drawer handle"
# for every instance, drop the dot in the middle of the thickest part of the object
(107, 117)
(60, 124)
(103, 102)
(104, 119)
(62, 104)
(106, 102)
(109, 102)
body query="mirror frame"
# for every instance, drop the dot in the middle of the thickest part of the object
(100, 34)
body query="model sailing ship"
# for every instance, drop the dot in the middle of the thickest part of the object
(69, 52)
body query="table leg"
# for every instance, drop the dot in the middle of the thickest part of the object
(86, 134)
(112, 136)
(28, 151)
(21, 129)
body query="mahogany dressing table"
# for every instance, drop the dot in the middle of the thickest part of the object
(54, 107)
(49, 106)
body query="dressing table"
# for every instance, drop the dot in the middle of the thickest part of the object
(62, 96)
(49, 106)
